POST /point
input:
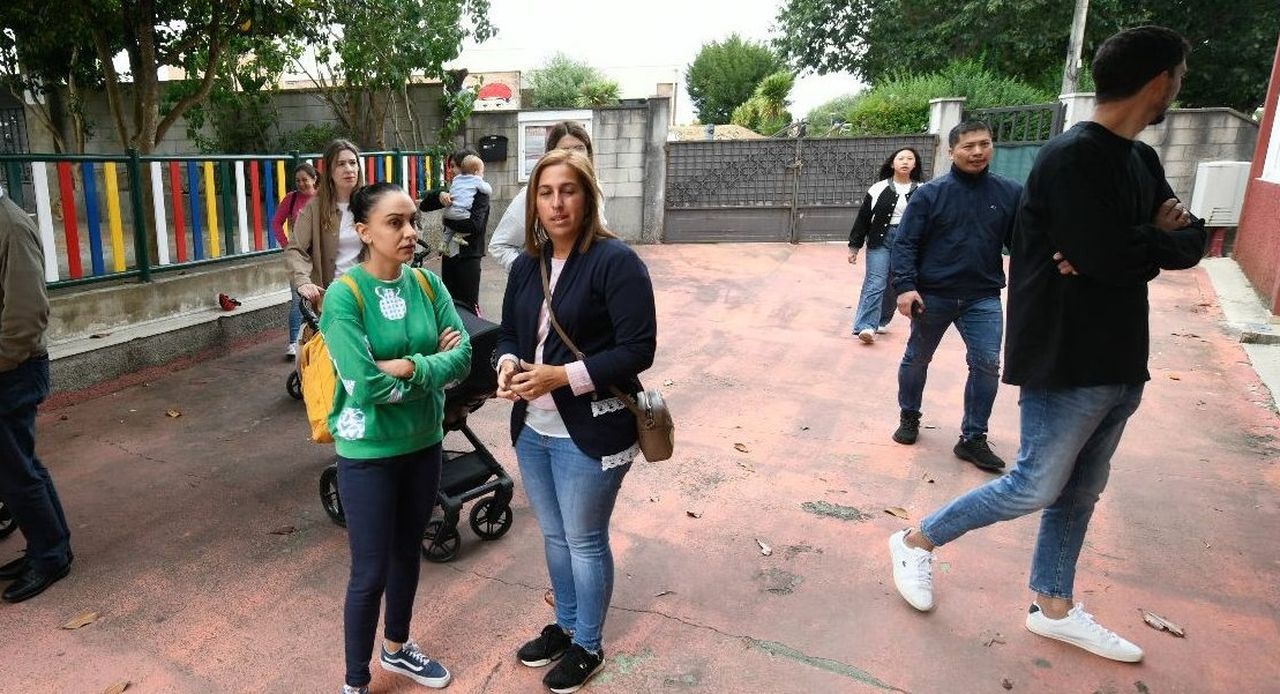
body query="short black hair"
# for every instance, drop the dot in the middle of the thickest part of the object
(1127, 61)
(365, 197)
(969, 126)
(886, 169)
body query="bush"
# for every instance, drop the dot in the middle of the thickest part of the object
(766, 111)
(567, 83)
(900, 104)
(311, 138)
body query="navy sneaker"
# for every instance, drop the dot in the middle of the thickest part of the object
(414, 664)
(576, 667)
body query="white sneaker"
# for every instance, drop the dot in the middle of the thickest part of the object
(867, 336)
(882, 330)
(1079, 629)
(912, 572)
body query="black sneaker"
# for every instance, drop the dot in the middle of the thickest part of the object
(976, 451)
(908, 428)
(549, 646)
(574, 670)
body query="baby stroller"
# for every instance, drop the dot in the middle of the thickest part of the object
(466, 475)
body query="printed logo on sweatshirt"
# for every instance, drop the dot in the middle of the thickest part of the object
(390, 303)
(351, 424)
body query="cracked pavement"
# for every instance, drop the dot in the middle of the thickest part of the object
(173, 520)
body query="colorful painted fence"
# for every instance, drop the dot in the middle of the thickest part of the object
(108, 217)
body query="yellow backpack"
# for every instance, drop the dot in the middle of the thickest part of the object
(318, 374)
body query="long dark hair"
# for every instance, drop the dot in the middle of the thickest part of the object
(886, 169)
(363, 200)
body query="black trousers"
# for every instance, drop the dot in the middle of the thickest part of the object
(388, 502)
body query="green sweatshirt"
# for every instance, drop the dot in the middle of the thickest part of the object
(376, 415)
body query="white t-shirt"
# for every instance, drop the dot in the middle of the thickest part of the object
(349, 244)
(902, 190)
(543, 417)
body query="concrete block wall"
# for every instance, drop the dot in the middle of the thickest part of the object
(1193, 135)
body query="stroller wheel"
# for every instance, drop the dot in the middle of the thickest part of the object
(294, 385)
(7, 524)
(439, 543)
(489, 520)
(329, 495)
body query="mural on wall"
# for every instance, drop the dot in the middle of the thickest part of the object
(533, 134)
(496, 91)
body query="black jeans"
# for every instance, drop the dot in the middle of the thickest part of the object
(388, 502)
(461, 276)
(25, 484)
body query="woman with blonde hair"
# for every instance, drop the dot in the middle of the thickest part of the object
(325, 243)
(574, 438)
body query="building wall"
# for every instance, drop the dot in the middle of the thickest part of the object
(1192, 135)
(1257, 246)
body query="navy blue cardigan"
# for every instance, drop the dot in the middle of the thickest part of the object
(604, 301)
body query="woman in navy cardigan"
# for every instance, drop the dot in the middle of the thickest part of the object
(574, 438)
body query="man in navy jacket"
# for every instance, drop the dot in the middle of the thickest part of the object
(949, 269)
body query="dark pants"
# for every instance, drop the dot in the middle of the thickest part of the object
(461, 276)
(388, 502)
(25, 485)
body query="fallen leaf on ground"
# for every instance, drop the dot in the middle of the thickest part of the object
(64, 418)
(284, 530)
(746, 467)
(899, 512)
(173, 413)
(662, 593)
(742, 447)
(998, 638)
(1175, 377)
(668, 383)
(82, 620)
(1159, 623)
(766, 550)
(98, 336)
(549, 597)
(118, 687)
(930, 426)
(1006, 683)
(804, 428)
(693, 514)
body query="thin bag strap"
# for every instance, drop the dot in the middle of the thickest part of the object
(564, 337)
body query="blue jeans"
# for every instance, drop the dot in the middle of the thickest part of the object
(25, 484)
(878, 301)
(295, 316)
(981, 325)
(388, 502)
(1068, 438)
(573, 499)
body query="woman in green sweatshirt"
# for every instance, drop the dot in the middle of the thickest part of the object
(396, 341)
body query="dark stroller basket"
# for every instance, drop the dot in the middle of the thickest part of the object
(466, 475)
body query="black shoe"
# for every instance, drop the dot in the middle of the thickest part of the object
(33, 582)
(574, 670)
(976, 451)
(13, 569)
(908, 428)
(549, 646)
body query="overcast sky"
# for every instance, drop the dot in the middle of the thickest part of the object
(636, 43)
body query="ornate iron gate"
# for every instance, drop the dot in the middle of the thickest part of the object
(799, 189)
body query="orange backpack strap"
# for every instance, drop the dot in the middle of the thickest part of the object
(425, 284)
(346, 279)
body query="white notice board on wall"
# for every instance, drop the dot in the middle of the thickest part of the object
(533, 127)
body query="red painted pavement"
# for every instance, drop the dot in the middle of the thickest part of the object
(173, 521)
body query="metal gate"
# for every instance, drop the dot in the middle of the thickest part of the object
(799, 189)
(1019, 132)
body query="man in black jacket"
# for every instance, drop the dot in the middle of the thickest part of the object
(948, 270)
(1097, 223)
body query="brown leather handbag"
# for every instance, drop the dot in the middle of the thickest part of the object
(655, 429)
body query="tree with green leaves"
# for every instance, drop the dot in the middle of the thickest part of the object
(563, 82)
(1232, 42)
(372, 50)
(725, 74)
(766, 111)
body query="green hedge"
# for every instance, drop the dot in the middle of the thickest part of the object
(900, 104)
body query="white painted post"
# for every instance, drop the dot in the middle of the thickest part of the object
(157, 204)
(1079, 107)
(44, 218)
(241, 208)
(944, 114)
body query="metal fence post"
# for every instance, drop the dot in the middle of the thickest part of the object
(141, 249)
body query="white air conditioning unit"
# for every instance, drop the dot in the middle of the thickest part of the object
(1218, 194)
